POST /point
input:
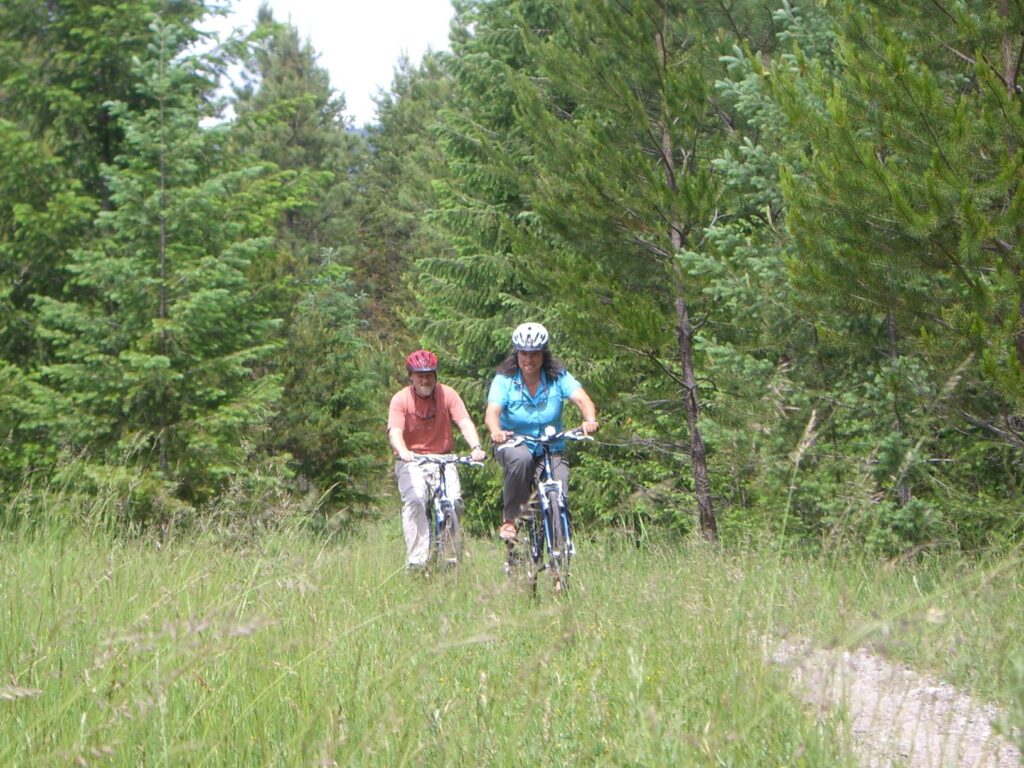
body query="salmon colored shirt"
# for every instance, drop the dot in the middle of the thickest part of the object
(426, 422)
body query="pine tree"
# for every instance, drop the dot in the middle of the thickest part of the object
(62, 61)
(335, 398)
(43, 214)
(159, 353)
(579, 140)
(60, 64)
(399, 198)
(636, 77)
(777, 385)
(908, 211)
(471, 292)
(289, 116)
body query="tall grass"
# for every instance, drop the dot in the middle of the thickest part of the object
(297, 650)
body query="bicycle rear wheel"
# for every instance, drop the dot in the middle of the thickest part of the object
(561, 541)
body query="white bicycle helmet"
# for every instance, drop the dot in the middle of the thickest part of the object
(530, 337)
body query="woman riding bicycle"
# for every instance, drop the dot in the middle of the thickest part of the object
(526, 396)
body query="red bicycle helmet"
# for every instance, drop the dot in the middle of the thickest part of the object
(421, 361)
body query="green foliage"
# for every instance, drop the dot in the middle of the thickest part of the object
(42, 211)
(333, 381)
(398, 196)
(158, 341)
(288, 116)
(471, 291)
(908, 209)
(62, 62)
(640, 78)
(26, 412)
(830, 190)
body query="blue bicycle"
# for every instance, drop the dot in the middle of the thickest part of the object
(445, 523)
(549, 532)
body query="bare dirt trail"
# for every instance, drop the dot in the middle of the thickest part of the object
(897, 717)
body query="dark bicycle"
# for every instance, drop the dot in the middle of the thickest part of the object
(445, 523)
(550, 531)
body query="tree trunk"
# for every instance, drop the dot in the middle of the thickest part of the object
(1010, 80)
(162, 311)
(1019, 339)
(902, 486)
(701, 483)
(684, 330)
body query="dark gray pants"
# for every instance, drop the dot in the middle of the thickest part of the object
(521, 470)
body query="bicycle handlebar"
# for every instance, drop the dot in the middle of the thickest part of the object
(576, 433)
(442, 459)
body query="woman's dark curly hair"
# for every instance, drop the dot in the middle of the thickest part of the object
(551, 365)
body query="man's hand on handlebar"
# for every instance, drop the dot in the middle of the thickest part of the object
(590, 426)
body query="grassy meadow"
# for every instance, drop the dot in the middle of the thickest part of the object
(293, 649)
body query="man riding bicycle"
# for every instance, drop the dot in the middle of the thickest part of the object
(525, 397)
(420, 419)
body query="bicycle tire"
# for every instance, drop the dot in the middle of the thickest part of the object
(521, 563)
(560, 552)
(449, 543)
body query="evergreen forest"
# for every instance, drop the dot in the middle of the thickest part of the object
(780, 242)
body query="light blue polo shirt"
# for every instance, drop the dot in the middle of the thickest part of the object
(527, 414)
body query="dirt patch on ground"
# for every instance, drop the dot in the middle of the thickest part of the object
(897, 717)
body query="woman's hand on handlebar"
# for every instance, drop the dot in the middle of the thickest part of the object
(590, 426)
(500, 436)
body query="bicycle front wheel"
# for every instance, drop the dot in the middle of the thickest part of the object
(449, 540)
(561, 540)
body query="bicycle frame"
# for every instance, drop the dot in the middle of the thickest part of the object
(551, 531)
(445, 527)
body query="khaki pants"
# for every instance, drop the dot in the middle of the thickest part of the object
(415, 482)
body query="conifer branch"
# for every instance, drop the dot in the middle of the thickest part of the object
(724, 116)
(1008, 435)
(653, 445)
(652, 356)
(963, 56)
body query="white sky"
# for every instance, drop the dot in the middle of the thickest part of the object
(359, 41)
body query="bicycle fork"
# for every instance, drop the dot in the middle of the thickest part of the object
(545, 490)
(441, 508)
